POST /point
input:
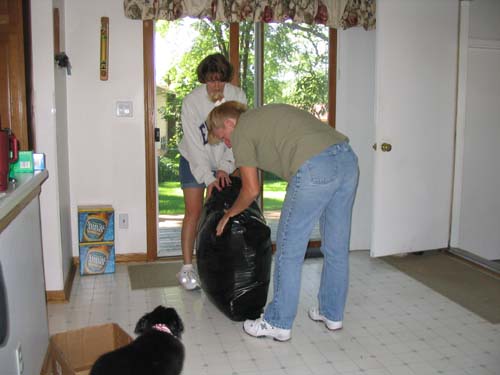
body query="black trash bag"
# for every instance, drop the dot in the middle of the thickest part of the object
(235, 267)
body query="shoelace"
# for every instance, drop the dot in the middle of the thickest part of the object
(189, 276)
(263, 325)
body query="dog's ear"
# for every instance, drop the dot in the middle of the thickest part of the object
(158, 310)
(175, 323)
(143, 324)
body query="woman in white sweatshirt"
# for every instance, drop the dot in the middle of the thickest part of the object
(203, 165)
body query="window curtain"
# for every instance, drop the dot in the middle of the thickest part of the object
(339, 14)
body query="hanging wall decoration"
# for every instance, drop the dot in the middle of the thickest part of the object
(57, 48)
(104, 55)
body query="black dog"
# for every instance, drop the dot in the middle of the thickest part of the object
(156, 351)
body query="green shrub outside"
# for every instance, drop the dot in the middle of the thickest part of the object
(168, 167)
(171, 201)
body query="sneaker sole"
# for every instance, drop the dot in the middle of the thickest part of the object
(195, 288)
(267, 337)
(322, 319)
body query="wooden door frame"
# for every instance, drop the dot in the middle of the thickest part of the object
(150, 116)
(149, 130)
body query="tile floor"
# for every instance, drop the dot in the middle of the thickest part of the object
(393, 325)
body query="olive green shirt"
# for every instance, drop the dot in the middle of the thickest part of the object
(279, 138)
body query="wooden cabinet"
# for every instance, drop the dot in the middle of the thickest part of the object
(13, 107)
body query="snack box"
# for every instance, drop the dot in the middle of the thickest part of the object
(96, 223)
(97, 258)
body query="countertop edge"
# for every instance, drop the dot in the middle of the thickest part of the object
(16, 198)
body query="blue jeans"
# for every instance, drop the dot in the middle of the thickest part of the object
(322, 189)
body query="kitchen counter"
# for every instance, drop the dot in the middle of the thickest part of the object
(23, 308)
(18, 195)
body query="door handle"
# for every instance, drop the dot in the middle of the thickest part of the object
(385, 147)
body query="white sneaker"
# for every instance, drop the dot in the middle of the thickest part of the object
(188, 278)
(315, 315)
(261, 328)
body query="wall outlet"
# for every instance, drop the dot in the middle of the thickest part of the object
(123, 221)
(19, 360)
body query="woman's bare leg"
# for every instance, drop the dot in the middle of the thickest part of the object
(193, 201)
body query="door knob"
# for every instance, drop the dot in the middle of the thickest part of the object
(386, 147)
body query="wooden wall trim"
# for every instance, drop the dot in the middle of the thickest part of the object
(121, 258)
(132, 257)
(234, 51)
(332, 77)
(62, 296)
(57, 31)
(149, 126)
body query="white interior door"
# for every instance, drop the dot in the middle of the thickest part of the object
(415, 79)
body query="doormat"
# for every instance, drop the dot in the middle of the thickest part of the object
(458, 280)
(153, 275)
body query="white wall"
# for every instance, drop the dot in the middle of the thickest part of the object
(355, 101)
(484, 19)
(106, 153)
(46, 138)
(478, 219)
(92, 156)
(60, 75)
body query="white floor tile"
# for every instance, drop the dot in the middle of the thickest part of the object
(393, 325)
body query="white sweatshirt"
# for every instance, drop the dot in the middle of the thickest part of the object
(204, 158)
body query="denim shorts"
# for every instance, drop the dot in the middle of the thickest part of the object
(186, 177)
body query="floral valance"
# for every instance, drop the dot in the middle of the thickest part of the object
(339, 14)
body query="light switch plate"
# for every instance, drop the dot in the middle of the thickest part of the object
(123, 221)
(124, 109)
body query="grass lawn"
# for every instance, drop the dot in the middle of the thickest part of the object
(171, 201)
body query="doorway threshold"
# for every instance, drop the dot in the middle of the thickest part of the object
(169, 232)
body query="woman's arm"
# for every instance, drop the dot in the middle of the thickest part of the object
(250, 190)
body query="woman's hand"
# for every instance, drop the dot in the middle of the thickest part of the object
(222, 224)
(223, 179)
(211, 187)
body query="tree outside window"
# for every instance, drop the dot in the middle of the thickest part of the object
(295, 72)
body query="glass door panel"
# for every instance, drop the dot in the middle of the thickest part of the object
(179, 47)
(295, 72)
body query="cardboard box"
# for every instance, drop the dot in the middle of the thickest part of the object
(74, 352)
(97, 258)
(96, 223)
